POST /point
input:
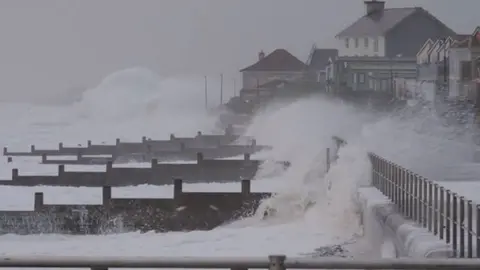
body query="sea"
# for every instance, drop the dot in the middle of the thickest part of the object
(316, 213)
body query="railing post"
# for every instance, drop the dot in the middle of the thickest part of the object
(470, 229)
(442, 213)
(430, 205)
(381, 178)
(462, 227)
(454, 224)
(425, 200)
(403, 189)
(435, 208)
(412, 195)
(381, 174)
(406, 176)
(328, 160)
(397, 186)
(419, 199)
(374, 170)
(277, 262)
(384, 177)
(477, 234)
(391, 181)
(448, 218)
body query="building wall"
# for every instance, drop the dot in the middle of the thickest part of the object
(377, 76)
(409, 36)
(251, 79)
(422, 57)
(428, 72)
(361, 49)
(436, 54)
(456, 83)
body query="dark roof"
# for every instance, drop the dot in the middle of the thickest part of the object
(320, 58)
(379, 23)
(278, 60)
(461, 37)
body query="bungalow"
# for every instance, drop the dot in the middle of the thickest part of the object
(382, 45)
(278, 65)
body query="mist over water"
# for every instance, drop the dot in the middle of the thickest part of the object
(127, 104)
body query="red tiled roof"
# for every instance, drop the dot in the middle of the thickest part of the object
(278, 60)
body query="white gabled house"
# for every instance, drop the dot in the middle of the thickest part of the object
(433, 59)
(464, 68)
(383, 45)
(432, 53)
(422, 55)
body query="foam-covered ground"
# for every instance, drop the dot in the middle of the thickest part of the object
(313, 209)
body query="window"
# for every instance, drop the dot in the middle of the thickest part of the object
(346, 43)
(356, 42)
(365, 42)
(375, 45)
(361, 78)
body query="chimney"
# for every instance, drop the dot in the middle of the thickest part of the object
(374, 7)
(261, 55)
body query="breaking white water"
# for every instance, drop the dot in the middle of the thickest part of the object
(311, 209)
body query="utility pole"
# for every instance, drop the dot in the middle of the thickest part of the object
(445, 71)
(234, 87)
(206, 93)
(391, 78)
(221, 89)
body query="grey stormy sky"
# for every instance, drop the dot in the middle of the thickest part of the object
(50, 46)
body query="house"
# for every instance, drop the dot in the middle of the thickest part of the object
(278, 65)
(422, 55)
(319, 62)
(432, 59)
(433, 56)
(464, 56)
(382, 45)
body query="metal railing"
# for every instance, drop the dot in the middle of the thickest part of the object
(273, 262)
(441, 211)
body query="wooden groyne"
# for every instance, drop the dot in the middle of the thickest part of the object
(185, 211)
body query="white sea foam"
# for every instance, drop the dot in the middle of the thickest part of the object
(312, 208)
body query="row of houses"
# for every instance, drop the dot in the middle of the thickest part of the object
(380, 49)
(452, 61)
